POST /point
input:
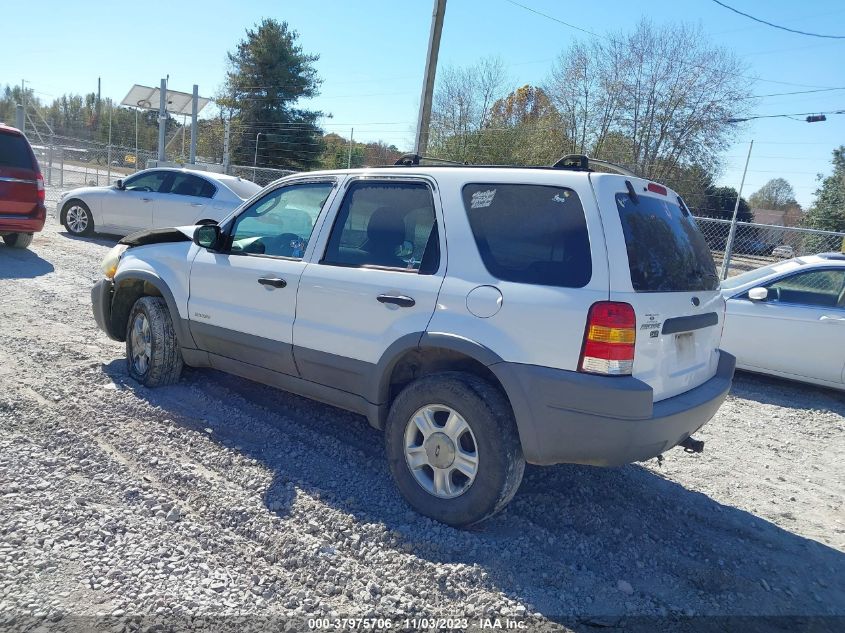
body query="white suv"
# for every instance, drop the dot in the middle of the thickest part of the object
(483, 317)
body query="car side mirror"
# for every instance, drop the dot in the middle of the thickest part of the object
(208, 236)
(758, 294)
(120, 184)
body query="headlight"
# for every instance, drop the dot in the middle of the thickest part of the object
(110, 261)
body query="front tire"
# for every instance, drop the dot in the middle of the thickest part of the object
(453, 448)
(77, 218)
(18, 240)
(152, 350)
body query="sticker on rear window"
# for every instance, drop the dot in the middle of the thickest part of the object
(482, 199)
(559, 198)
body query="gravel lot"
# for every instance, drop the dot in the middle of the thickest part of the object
(222, 497)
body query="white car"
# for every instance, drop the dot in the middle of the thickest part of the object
(578, 318)
(153, 198)
(788, 319)
(784, 251)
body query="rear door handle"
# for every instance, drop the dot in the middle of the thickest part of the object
(272, 281)
(831, 319)
(197, 204)
(147, 199)
(400, 300)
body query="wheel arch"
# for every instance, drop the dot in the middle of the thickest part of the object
(131, 285)
(420, 354)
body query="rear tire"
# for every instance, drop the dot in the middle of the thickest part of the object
(153, 356)
(487, 437)
(18, 240)
(77, 218)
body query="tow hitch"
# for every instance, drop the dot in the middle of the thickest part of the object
(692, 445)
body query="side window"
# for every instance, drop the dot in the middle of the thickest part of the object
(823, 288)
(280, 223)
(189, 185)
(385, 224)
(150, 182)
(533, 234)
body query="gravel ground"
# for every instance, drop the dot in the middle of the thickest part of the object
(219, 496)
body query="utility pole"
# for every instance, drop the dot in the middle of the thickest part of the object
(136, 139)
(726, 260)
(424, 118)
(349, 157)
(162, 118)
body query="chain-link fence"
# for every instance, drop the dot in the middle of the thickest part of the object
(259, 175)
(756, 245)
(68, 163)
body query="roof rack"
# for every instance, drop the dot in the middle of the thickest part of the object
(408, 160)
(579, 162)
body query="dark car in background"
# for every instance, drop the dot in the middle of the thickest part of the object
(22, 210)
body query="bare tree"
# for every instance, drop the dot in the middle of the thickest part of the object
(463, 100)
(658, 98)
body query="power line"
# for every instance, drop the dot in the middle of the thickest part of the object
(777, 26)
(611, 39)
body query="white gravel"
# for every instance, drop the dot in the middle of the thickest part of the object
(219, 496)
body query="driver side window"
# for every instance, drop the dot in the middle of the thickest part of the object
(151, 182)
(280, 223)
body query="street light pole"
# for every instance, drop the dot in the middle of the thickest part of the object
(726, 260)
(255, 160)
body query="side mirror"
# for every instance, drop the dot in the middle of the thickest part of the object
(208, 236)
(120, 184)
(758, 294)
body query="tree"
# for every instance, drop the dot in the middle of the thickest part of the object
(720, 204)
(665, 91)
(461, 107)
(828, 210)
(268, 73)
(776, 194)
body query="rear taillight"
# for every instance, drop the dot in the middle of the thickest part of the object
(39, 184)
(609, 339)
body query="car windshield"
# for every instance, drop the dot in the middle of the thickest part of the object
(244, 189)
(761, 273)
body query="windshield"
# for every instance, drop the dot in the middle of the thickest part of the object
(760, 273)
(244, 189)
(666, 251)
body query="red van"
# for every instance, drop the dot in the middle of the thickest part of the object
(22, 210)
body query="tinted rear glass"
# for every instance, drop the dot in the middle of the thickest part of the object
(244, 189)
(666, 251)
(14, 152)
(533, 234)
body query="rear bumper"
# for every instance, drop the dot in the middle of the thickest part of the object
(569, 417)
(23, 223)
(101, 301)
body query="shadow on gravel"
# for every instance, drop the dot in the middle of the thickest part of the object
(787, 393)
(584, 546)
(18, 263)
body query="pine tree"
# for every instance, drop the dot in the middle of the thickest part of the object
(268, 73)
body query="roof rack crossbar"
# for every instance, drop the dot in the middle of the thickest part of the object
(579, 162)
(407, 160)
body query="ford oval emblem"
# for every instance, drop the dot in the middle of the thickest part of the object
(695, 301)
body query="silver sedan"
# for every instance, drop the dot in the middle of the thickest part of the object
(153, 198)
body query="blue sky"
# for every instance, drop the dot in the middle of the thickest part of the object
(373, 54)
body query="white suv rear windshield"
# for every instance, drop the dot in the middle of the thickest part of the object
(531, 234)
(666, 251)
